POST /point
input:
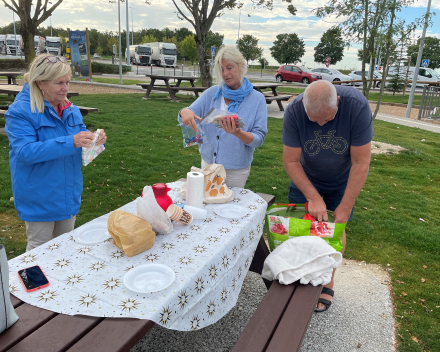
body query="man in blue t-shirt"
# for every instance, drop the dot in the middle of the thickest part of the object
(327, 133)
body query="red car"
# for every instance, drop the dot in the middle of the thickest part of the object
(292, 73)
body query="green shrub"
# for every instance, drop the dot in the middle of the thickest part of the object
(13, 64)
(98, 67)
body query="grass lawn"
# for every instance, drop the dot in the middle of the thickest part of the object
(395, 223)
(112, 80)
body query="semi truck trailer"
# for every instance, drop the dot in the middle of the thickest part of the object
(163, 54)
(140, 54)
(14, 44)
(40, 45)
(54, 46)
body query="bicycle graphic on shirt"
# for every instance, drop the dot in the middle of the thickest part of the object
(337, 144)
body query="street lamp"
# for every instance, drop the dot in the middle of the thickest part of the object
(120, 54)
(15, 34)
(238, 39)
(131, 25)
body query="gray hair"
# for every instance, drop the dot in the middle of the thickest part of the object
(230, 54)
(43, 70)
(319, 96)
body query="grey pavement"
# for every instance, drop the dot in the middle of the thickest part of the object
(274, 111)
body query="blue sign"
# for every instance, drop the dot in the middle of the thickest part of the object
(213, 51)
(425, 63)
(79, 53)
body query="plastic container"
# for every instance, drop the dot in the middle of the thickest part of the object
(160, 191)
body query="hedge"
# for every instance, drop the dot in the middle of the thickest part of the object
(98, 67)
(13, 64)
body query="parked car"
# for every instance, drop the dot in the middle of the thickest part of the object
(293, 73)
(357, 75)
(96, 55)
(333, 75)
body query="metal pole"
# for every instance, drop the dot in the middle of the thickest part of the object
(120, 53)
(15, 34)
(128, 34)
(238, 38)
(419, 58)
(51, 25)
(132, 26)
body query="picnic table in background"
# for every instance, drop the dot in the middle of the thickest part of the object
(272, 96)
(15, 89)
(172, 89)
(12, 76)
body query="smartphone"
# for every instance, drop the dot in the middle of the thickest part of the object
(33, 278)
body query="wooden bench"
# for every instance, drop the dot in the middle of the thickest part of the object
(84, 110)
(278, 99)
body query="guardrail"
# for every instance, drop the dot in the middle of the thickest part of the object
(375, 80)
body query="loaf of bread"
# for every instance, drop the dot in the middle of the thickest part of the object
(130, 233)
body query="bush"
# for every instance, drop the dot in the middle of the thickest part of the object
(13, 64)
(98, 67)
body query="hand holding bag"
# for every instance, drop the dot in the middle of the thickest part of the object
(7, 312)
(215, 188)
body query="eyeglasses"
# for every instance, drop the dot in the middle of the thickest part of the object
(54, 59)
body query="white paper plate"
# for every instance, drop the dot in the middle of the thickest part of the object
(92, 234)
(149, 278)
(230, 211)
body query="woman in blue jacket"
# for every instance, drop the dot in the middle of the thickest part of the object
(231, 146)
(46, 135)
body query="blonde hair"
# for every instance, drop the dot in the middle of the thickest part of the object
(230, 54)
(43, 70)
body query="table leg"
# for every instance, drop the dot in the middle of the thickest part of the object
(171, 91)
(9, 80)
(192, 83)
(258, 260)
(150, 87)
(275, 93)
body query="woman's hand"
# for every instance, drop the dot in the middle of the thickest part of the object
(102, 138)
(229, 126)
(189, 119)
(83, 139)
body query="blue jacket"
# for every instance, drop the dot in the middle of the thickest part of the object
(223, 148)
(45, 166)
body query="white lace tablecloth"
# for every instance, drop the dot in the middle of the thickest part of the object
(209, 257)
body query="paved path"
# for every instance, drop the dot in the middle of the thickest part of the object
(274, 111)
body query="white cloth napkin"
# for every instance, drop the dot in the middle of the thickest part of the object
(309, 259)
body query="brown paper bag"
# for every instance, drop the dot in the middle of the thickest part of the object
(216, 190)
(130, 233)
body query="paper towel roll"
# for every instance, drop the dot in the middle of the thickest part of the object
(195, 184)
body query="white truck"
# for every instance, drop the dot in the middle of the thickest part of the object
(2, 44)
(40, 45)
(140, 54)
(163, 54)
(54, 46)
(14, 44)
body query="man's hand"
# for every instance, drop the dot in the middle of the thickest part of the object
(189, 119)
(341, 214)
(318, 209)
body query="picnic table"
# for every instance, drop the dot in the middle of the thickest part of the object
(39, 328)
(14, 90)
(12, 76)
(172, 89)
(272, 96)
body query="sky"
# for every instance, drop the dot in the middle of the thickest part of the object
(262, 23)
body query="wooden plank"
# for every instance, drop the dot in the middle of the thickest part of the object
(113, 334)
(15, 301)
(84, 108)
(296, 319)
(278, 97)
(191, 89)
(264, 322)
(58, 334)
(2, 113)
(30, 319)
(269, 198)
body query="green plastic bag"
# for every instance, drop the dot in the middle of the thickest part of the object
(285, 221)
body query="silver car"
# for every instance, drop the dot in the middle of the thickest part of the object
(333, 75)
(357, 75)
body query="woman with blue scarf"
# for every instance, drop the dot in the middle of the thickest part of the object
(231, 146)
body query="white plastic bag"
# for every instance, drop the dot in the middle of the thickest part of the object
(150, 211)
(88, 154)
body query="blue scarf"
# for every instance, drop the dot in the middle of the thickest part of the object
(236, 96)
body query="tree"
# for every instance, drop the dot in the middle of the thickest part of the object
(395, 84)
(182, 33)
(262, 62)
(110, 42)
(148, 39)
(189, 48)
(287, 48)
(213, 39)
(431, 52)
(332, 45)
(201, 15)
(248, 46)
(29, 24)
(99, 51)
